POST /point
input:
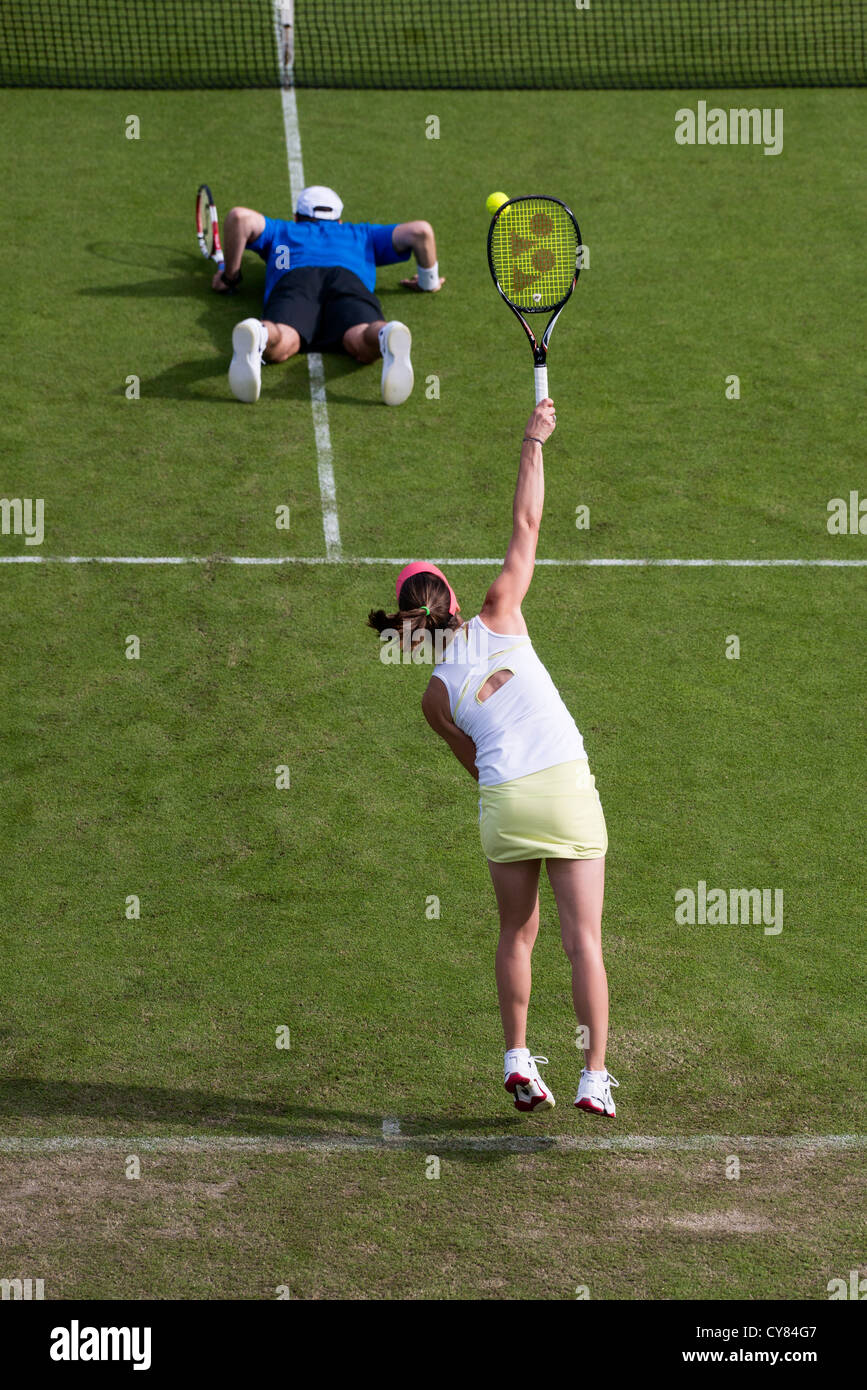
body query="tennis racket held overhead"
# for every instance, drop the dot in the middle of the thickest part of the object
(534, 256)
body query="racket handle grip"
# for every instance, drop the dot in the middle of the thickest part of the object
(541, 376)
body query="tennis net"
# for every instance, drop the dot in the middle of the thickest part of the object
(479, 44)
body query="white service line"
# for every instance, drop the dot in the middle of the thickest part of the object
(429, 1143)
(336, 557)
(315, 365)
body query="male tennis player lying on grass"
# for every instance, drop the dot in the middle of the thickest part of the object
(319, 284)
(498, 710)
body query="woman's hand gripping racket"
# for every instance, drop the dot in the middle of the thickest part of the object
(208, 233)
(533, 252)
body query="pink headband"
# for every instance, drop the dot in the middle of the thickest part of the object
(425, 567)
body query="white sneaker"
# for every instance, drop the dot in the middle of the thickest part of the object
(395, 341)
(522, 1080)
(249, 340)
(594, 1094)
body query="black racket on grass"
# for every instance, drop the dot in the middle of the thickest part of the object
(533, 252)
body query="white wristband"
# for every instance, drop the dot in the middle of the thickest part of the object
(428, 276)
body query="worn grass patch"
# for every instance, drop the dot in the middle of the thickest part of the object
(374, 1226)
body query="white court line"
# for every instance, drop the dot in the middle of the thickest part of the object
(336, 557)
(315, 366)
(429, 1143)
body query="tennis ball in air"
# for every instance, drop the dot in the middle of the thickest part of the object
(496, 201)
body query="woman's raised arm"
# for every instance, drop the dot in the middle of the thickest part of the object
(501, 610)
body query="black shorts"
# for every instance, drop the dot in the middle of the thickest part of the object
(320, 303)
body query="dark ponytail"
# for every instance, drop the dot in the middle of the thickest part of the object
(423, 604)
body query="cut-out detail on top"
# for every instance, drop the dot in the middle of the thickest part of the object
(493, 683)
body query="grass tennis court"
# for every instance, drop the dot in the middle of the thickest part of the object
(306, 907)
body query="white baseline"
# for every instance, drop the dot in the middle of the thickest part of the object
(338, 558)
(428, 1143)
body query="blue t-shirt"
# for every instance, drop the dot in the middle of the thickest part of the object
(357, 246)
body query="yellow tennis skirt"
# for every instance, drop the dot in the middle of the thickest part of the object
(552, 814)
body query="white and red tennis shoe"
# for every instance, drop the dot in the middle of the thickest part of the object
(522, 1080)
(594, 1093)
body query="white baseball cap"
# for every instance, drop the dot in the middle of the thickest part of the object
(319, 202)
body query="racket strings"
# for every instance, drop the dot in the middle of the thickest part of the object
(534, 245)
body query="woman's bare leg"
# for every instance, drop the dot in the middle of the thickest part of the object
(517, 888)
(579, 888)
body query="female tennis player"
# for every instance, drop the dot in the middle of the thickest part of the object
(498, 710)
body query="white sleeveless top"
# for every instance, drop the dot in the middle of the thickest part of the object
(524, 726)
